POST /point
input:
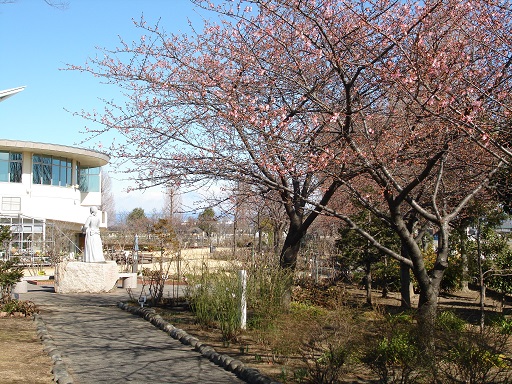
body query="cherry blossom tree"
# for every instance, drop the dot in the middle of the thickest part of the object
(403, 106)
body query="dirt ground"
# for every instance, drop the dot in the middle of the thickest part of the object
(22, 358)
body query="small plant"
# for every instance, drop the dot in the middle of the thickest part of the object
(502, 323)
(326, 368)
(300, 375)
(216, 301)
(394, 359)
(449, 321)
(199, 294)
(473, 357)
(283, 376)
(27, 308)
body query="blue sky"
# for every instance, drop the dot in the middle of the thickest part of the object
(36, 43)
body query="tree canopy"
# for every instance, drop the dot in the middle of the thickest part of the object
(401, 106)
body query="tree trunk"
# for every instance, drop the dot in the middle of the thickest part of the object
(465, 262)
(291, 246)
(427, 313)
(289, 253)
(288, 258)
(481, 279)
(368, 282)
(430, 284)
(385, 288)
(405, 280)
(405, 286)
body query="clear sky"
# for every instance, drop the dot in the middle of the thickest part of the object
(36, 43)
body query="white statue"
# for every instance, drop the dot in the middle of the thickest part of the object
(93, 251)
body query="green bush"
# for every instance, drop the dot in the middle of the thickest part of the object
(307, 311)
(10, 273)
(227, 300)
(266, 288)
(449, 321)
(215, 301)
(395, 354)
(395, 359)
(502, 323)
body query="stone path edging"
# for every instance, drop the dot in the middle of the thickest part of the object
(250, 375)
(59, 369)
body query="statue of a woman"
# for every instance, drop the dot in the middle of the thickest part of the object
(93, 251)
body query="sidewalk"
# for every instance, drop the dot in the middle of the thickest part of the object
(101, 343)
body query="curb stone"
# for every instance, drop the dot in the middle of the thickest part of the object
(249, 375)
(60, 370)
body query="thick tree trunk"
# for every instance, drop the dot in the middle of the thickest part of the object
(291, 246)
(427, 313)
(288, 258)
(289, 253)
(430, 285)
(405, 279)
(405, 286)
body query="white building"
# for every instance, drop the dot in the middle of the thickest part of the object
(47, 185)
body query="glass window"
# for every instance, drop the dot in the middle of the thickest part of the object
(15, 167)
(41, 169)
(50, 170)
(10, 167)
(11, 203)
(89, 179)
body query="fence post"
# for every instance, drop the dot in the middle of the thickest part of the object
(243, 299)
(135, 266)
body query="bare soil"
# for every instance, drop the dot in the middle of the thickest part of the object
(22, 358)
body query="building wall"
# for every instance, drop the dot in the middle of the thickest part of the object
(47, 202)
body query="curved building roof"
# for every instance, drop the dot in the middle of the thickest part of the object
(9, 92)
(86, 157)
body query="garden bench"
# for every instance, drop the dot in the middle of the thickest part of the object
(128, 279)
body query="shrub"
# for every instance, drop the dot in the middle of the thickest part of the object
(199, 294)
(10, 273)
(502, 323)
(396, 355)
(327, 368)
(215, 300)
(450, 322)
(394, 359)
(266, 288)
(332, 340)
(27, 308)
(307, 311)
(473, 357)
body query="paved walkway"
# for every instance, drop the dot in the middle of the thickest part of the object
(100, 343)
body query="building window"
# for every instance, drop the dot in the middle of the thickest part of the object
(49, 170)
(42, 169)
(61, 172)
(89, 179)
(10, 167)
(11, 204)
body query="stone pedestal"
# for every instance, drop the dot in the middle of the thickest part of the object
(80, 277)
